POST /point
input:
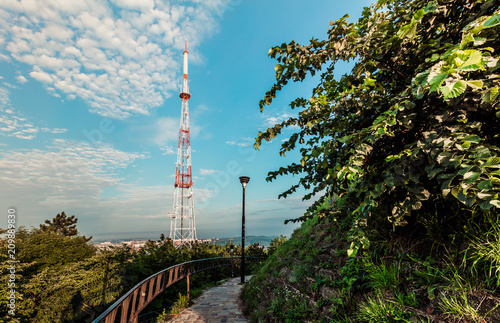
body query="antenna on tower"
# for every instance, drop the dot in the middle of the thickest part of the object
(182, 221)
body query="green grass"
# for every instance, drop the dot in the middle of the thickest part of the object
(458, 306)
(379, 309)
(484, 252)
(409, 299)
(384, 277)
(180, 305)
(162, 317)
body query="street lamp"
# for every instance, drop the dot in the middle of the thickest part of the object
(243, 180)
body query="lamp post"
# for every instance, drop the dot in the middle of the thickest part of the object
(243, 180)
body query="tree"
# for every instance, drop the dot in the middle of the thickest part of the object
(413, 129)
(62, 224)
(45, 260)
(49, 249)
(255, 250)
(73, 292)
(276, 243)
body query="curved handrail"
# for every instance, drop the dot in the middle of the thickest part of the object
(128, 307)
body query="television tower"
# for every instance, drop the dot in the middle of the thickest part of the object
(182, 224)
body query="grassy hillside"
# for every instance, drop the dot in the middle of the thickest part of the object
(310, 278)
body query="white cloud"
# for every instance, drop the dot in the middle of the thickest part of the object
(121, 57)
(271, 121)
(243, 142)
(168, 150)
(87, 181)
(201, 108)
(4, 98)
(208, 171)
(21, 79)
(54, 131)
(58, 130)
(166, 130)
(41, 76)
(69, 172)
(10, 85)
(144, 5)
(13, 124)
(80, 179)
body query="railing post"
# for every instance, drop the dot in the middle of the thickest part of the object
(188, 286)
(232, 262)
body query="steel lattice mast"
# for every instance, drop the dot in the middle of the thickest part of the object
(182, 222)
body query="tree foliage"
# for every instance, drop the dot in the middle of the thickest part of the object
(276, 243)
(412, 128)
(49, 249)
(60, 276)
(62, 224)
(77, 291)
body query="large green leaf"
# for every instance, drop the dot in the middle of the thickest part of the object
(465, 169)
(408, 31)
(461, 196)
(475, 84)
(492, 21)
(453, 90)
(471, 177)
(485, 185)
(491, 95)
(446, 184)
(473, 61)
(485, 205)
(434, 172)
(431, 7)
(472, 138)
(421, 78)
(436, 81)
(492, 162)
(444, 157)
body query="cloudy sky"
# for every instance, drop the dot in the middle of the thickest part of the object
(89, 110)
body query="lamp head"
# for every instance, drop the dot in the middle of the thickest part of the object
(244, 180)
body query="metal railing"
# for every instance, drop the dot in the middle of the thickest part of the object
(130, 305)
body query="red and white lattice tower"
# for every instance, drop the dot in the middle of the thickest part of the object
(182, 223)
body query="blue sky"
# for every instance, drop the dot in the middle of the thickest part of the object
(89, 110)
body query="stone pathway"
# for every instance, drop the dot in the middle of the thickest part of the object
(218, 304)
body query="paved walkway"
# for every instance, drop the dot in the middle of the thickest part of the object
(218, 304)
